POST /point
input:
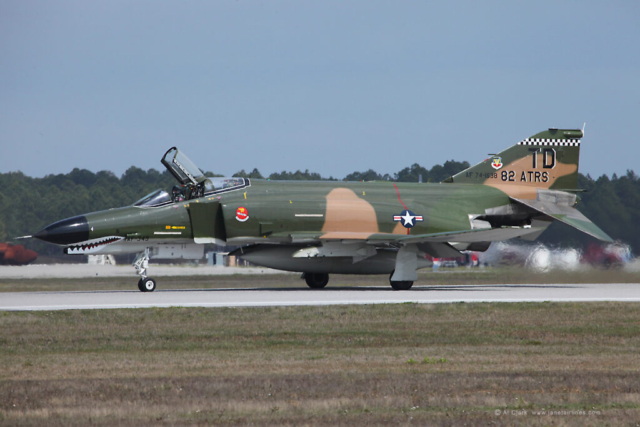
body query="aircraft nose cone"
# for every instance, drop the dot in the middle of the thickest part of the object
(65, 232)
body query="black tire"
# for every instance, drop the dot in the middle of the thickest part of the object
(403, 285)
(147, 285)
(316, 280)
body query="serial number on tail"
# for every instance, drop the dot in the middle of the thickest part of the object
(524, 176)
(482, 175)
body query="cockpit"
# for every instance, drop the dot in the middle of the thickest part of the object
(192, 183)
(155, 198)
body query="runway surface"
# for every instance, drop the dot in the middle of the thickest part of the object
(262, 297)
(56, 271)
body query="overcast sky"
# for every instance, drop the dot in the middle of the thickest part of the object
(332, 87)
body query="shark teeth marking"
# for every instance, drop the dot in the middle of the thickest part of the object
(91, 246)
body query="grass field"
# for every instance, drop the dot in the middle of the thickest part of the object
(408, 364)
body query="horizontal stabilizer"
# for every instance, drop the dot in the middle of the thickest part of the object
(568, 215)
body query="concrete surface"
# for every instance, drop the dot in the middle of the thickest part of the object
(256, 297)
(36, 271)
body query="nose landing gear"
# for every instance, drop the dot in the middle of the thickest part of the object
(141, 264)
(147, 285)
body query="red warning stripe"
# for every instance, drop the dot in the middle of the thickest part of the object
(398, 191)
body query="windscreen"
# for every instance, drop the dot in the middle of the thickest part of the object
(153, 199)
(181, 167)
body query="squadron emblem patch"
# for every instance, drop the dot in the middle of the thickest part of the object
(408, 218)
(496, 163)
(242, 214)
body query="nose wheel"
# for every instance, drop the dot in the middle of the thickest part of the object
(147, 285)
(141, 264)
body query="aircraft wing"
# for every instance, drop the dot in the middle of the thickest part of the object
(470, 236)
(444, 245)
(462, 236)
(568, 215)
(439, 245)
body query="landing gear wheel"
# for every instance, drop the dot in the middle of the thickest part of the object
(316, 280)
(141, 264)
(147, 285)
(402, 285)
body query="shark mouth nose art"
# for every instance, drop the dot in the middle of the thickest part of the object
(91, 246)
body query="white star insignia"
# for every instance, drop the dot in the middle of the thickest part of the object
(408, 219)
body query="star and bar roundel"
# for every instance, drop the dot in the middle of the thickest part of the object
(408, 218)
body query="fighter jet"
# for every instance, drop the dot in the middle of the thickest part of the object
(319, 228)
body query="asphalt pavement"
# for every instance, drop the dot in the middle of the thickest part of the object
(298, 296)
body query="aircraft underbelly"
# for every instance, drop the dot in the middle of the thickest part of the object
(281, 258)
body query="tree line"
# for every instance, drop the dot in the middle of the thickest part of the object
(409, 174)
(28, 204)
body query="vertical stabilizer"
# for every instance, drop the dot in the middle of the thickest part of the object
(548, 159)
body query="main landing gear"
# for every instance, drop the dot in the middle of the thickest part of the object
(403, 285)
(320, 280)
(141, 264)
(316, 280)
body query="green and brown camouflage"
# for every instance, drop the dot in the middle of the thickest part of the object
(319, 227)
(547, 160)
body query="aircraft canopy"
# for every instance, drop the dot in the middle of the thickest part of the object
(154, 198)
(182, 168)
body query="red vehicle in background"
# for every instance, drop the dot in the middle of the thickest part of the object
(16, 254)
(605, 256)
(469, 259)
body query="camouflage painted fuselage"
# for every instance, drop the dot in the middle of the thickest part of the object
(276, 210)
(350, 227)
(357, 210)
(280, 217)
